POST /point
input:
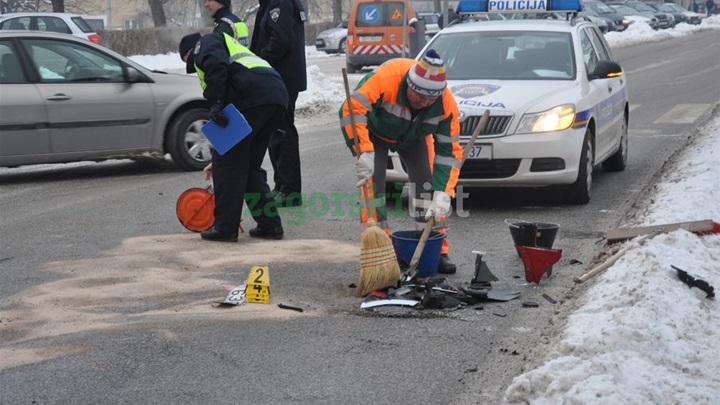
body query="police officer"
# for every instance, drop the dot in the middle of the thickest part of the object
(230, 73)
(226, 21)
(279, 38)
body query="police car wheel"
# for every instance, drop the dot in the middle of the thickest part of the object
(579, 192)
(185, 142)
(618, 160)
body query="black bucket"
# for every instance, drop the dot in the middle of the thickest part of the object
(533, 234)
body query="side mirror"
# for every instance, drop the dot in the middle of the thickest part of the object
(606, 69)
(132, 74)
(412, 22)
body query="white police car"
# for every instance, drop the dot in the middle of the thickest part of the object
(558, 102)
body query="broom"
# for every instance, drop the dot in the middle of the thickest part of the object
(379, 267)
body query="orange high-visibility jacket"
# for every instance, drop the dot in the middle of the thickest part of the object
(383, 115)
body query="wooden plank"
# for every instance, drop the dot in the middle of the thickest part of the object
(620, 234)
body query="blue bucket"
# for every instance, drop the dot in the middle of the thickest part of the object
(405, 243)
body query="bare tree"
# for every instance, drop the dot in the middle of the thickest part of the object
(58, 6)
(337, 11)
(158, 12)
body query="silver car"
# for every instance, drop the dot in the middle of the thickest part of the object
(64, 99)
(333, 40)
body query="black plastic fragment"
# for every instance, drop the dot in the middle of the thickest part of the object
(695, 281)
(549, 299)
(530, 304)
(283, 306)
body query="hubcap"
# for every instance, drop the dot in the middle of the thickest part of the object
(197, 145)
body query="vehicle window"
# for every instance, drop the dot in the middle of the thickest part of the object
(19, 23)
(507, 55)
(54, 24)
(10, 68)
(380, 14)
(61, 61)
(641, 7)
(590, 58)
(82, 24)
(596, 39)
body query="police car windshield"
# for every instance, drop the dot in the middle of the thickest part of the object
(522, 55)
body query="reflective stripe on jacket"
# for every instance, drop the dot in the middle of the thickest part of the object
(238, 54)
(239, 29)
(383, 115)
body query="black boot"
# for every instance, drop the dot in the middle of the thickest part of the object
(445, 266)
(267, 233)
(217, 236)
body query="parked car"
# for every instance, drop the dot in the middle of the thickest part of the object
(691, 17)
(65, 23)
(65, 99)
(635, 17)
(665, 20)
(678, 16)
(431, 24)
(601, 23)
(558, 102)
(617, 22)
(333, 40)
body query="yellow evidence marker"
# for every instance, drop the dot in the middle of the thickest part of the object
(258, 285)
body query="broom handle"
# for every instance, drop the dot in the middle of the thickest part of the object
(410, 272)
(355, 135)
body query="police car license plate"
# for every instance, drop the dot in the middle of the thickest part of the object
(480, 152)
(371, 38)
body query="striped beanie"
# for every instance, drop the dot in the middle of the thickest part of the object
(427, 77)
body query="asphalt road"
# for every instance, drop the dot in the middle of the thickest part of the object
(105, 298)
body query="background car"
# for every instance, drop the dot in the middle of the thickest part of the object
(558, 103)
(64, 99)
(65, 23)
(599, 22)
(333, 40)
(617, 22)
(635, 17)
(431, 23)
(665, 20)
(691, 17)
(678, 16)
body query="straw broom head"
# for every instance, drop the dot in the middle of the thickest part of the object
(379, 267)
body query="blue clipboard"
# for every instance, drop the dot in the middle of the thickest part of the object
(223, 139)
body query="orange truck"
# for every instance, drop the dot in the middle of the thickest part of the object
(378, 30)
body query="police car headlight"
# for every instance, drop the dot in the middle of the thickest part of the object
(555, 119)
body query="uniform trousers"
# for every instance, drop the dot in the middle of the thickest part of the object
(284, 152)
(238, 174)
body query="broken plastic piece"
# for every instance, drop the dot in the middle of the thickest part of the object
(283, 306)
(379, 303)
(549, 299)
(530, 304)
(695, 281)
(482, 272)
(537, 261)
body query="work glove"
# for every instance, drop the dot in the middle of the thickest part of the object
(217, 115)
(364, 167)
(439, 207)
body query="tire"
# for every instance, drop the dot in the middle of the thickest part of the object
(188, 147)
(579, 192)
(351, 68)
(342, 46)
(618, 161)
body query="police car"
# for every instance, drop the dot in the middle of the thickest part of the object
(558, 102)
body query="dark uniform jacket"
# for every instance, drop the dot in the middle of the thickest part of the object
(231, 82)
(229, 23)
(279, 38)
